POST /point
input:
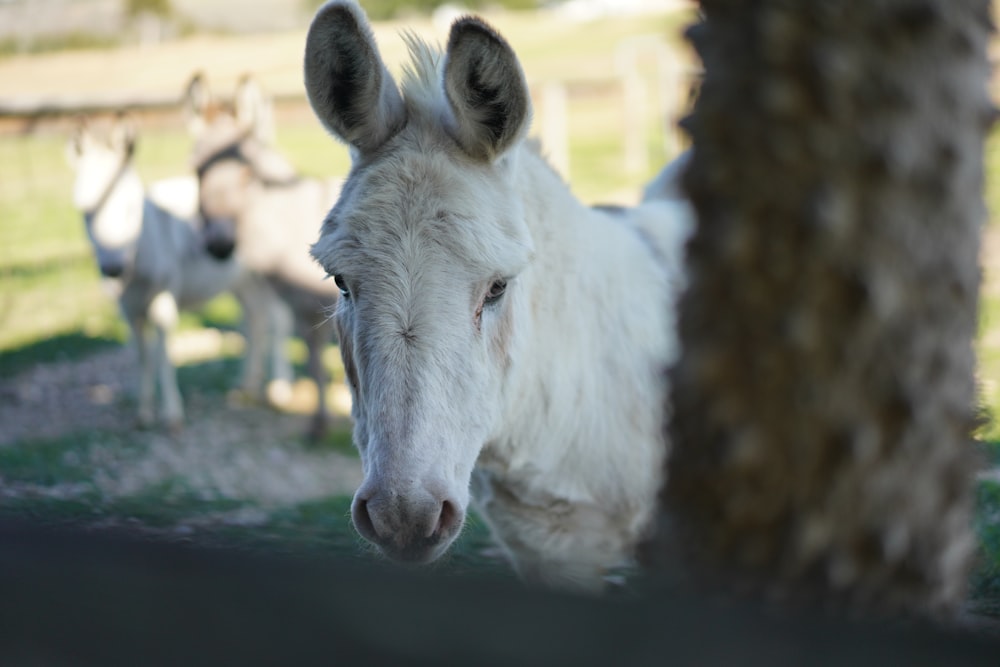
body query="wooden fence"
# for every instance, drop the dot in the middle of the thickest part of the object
(663, 94)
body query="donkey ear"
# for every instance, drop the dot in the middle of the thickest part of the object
(74, 145)
(269, 164)
(123, 134)
(197, 98)
(253, 109)
(349, 87)
(486, 89)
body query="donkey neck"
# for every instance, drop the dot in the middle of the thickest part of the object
(562, 226)
(276, 227)
(596, 302)
(123, 181)
(115, 216)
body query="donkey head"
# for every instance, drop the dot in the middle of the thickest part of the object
(429, 246)
(232, 153)
(108, 192)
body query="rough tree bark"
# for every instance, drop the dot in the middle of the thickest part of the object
(824, 402)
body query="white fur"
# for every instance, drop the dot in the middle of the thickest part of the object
(179, 195)
(164, 266)
(667, 183)
(557, 394)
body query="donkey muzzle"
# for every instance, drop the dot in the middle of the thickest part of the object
(220, 248)
(112, 262)
(112, 270)
(219, 235)
(409, 529)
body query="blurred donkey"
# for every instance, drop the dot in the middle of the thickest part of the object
(256, 207)
(151, 245)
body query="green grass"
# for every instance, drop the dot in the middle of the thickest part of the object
(48, 462)
(54, 486)
(214, 376)
(339, 440)
(11, 46)
(222, 312)
(992, 184)
(313, 151)
(40, 224)
(48, 284)
(988, 351)
(60, 347)
(985, 580)
(318, 526)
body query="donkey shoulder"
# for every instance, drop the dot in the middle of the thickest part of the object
(177, 195)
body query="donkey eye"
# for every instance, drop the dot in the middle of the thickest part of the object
(496, 291)
(342, 286)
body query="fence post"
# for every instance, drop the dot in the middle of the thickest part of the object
(555, 126)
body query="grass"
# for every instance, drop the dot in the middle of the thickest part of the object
(214, 376)
(992, 184)
(52, 483)
(988, 359)
(48, 283)
(59, 347)
(985, 582)
(47, 462)
(75, 40)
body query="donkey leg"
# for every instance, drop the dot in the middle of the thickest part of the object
(163, 314)
(316, 340)
(281, 322)
(253, 294)
(147, 377)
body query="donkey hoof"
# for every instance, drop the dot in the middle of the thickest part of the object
(175, 427)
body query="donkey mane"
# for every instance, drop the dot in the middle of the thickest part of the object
(424, 95)
(421, 83)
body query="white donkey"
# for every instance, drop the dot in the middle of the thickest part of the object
(159, 259)
(500, 337)
(254, 204)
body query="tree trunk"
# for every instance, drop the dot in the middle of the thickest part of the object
(824, 403)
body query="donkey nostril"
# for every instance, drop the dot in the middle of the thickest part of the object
(447, 519)
(362, 520)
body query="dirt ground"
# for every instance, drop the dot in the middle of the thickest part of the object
(226, 449)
